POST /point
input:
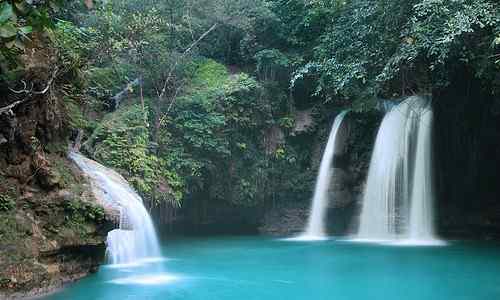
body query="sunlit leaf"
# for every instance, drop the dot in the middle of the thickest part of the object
(26, 29)
(6, 12)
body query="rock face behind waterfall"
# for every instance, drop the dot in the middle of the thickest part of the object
(53, 235)
(51, 230)
(346, 186)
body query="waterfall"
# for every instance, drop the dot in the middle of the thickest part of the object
(315, 229)
(136, 239)
(398, 196)
(421, 228)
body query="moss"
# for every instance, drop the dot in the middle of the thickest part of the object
(56, 148)
(8, 194)
(79, 212)
(210, 74)
(63, 171)
(4, 282)
(6, 202)
(75, 117)
(8, 228)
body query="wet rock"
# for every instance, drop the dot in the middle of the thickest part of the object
(48, 177)
(303, 121)
(41, 247)
(285, 221)
(22, 171)
(273, 138)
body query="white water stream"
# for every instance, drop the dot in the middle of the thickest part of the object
(136, 239)
(399, 196)
(315, 229)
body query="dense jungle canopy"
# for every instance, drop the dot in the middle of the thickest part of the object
(194, 100)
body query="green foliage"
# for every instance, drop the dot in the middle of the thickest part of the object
(209, 75)
(443, 33)
(8, 195)
(211, 132)
(9, 229)
(6, 202)
(215, 139)
(391, 48)
(72, 43)
(272, 64)
(79, 212)
(18, 19)
(287, 122)
(61, 167)
(121, 141)
(75, 118)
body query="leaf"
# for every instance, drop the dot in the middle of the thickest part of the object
(497, 40)
(6, 12)
(26, 30)
(8, 30)
(21, 6)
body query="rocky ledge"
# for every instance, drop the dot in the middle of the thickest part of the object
(52, 230)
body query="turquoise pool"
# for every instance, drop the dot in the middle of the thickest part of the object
(256, 268)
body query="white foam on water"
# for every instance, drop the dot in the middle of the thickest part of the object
(151, 279)
(307, 238)
(417, 243)
(138, 263)
(369, 241)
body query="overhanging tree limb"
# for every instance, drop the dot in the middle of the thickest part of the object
(29, 92)
(8, 109)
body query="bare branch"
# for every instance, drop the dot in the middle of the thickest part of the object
(24, 90)
(51, 80)
(123, 93)
(29, 92)
(169, 76)
(8, 109)
(175, 96)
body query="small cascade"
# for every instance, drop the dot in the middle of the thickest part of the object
(136, 238)
(315, 229)
(398, 197)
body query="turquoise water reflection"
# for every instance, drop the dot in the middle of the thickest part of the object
(258, 268)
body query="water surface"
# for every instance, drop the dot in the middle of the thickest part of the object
(256, 268)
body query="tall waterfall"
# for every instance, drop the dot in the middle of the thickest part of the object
(136, 239)
(315, 229)
(398, 197)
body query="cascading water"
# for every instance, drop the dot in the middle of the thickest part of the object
(398, 196)
(315, 229)
(136, 239)
(421, 229)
